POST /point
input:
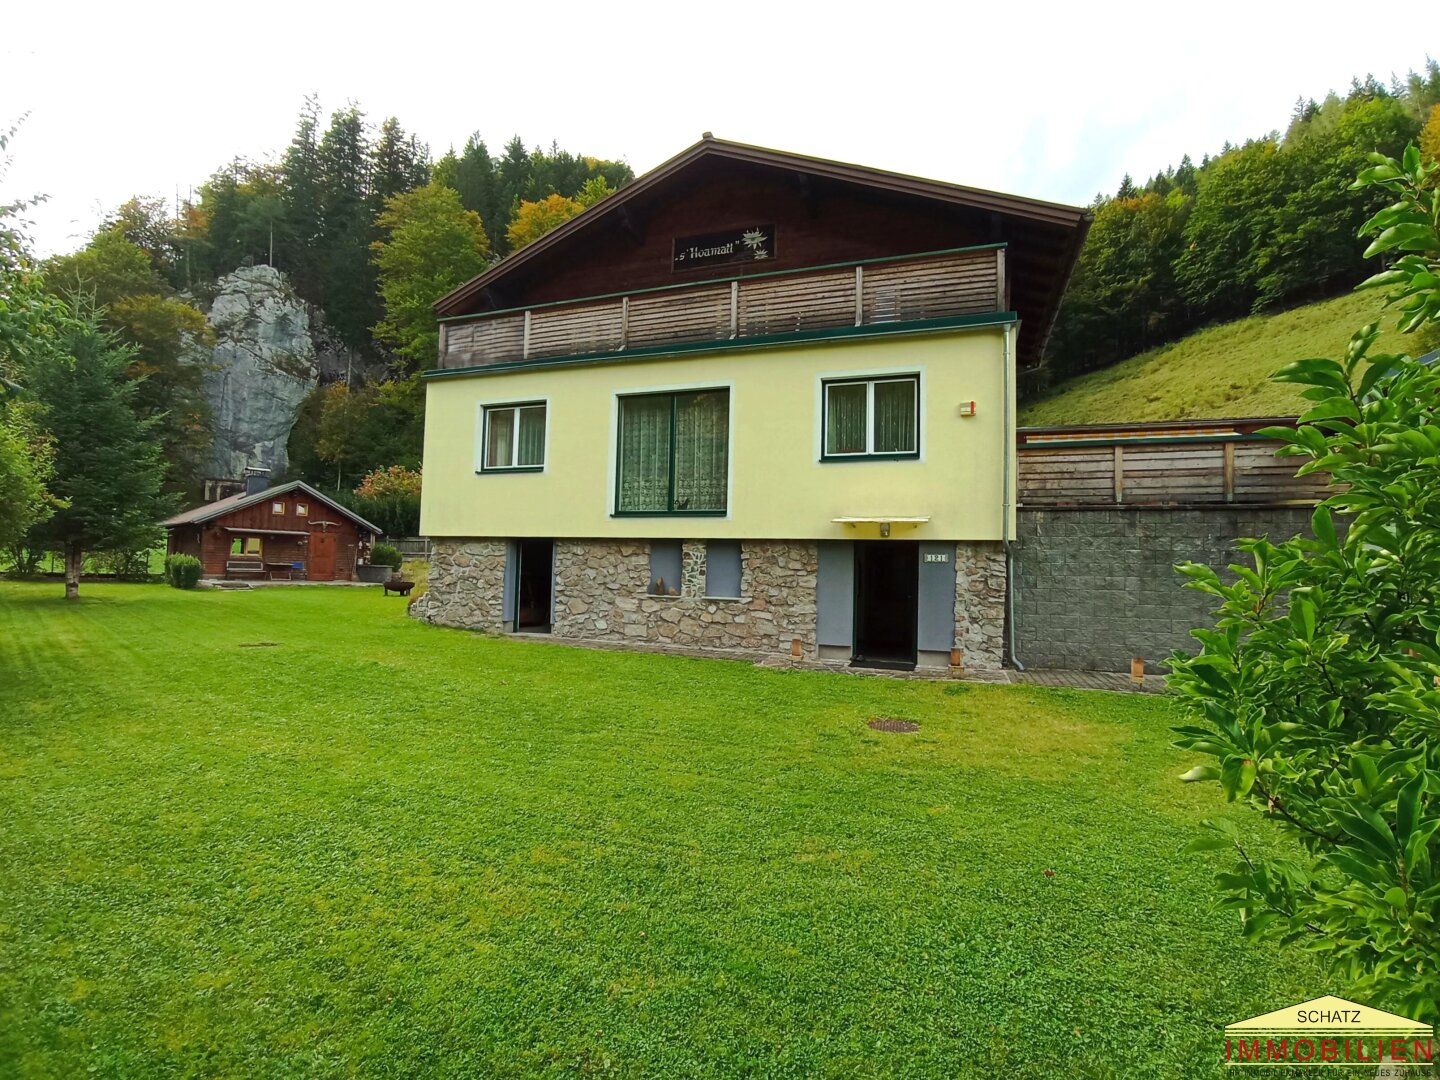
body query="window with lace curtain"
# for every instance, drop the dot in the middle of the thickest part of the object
(674, 453)
(874, 418)
(514, 437)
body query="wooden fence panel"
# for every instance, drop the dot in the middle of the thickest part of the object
(699, 314)
(964, 284)
(575, 331)
(484, 341)
(1119, 473)
(785, 305)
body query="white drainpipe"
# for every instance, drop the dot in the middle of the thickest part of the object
(1007, 439)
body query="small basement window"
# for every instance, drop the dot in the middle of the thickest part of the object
(665, 560)
(722, 569)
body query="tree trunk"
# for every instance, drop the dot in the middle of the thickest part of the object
(74, 559)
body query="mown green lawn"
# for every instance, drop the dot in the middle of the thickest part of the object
(293, 833)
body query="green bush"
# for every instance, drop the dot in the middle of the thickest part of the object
(183, 571)
(1315, 689)
(386, 555)
(393, 514)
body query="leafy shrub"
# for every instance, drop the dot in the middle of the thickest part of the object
(396, 480)
(386, 555)
(183, 571)
(126, 564)
(390, 499)
(1316, 690)
(393, 515)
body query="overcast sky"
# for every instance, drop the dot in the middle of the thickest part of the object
(1054, 101)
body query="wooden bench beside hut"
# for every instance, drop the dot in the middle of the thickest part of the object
(289, 532)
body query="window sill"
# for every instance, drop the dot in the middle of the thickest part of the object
(669, 513)
(697, 599)
(826, 459)
(517, 469)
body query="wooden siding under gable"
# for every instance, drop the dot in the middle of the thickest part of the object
(819, 217)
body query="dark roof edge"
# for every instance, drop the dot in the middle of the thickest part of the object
(198, 517)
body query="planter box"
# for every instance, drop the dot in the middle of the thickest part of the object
(373, 573)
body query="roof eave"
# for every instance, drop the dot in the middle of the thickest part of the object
(260, 496)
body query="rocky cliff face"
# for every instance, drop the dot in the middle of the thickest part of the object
(262, 368)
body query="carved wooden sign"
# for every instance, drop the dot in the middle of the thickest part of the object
(752, 243)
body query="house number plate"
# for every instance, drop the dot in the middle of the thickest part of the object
(937, 556)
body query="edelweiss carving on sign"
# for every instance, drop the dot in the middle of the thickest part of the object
(748, 244)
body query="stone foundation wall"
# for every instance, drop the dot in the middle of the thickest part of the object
(467, 585)
(600, 594)
(980, 605)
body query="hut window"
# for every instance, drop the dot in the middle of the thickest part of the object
(303, 509)
(277, 508)
(245, 545)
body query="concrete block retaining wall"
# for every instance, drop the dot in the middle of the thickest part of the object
(1094, 588)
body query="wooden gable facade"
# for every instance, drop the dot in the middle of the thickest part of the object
(285, 533)
(813, 212)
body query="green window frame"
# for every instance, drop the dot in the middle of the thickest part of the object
(673, 454)
(512, 437)
(870, 418)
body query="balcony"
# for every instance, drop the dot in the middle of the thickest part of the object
(905, 289)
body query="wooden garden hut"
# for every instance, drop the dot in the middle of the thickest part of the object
(286, 532)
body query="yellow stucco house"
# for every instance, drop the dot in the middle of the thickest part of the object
(755, 403)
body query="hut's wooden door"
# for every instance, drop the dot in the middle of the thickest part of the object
(322, 556)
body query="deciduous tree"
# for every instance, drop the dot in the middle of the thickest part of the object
(430, 244)
(1315, 690)
(533, 220)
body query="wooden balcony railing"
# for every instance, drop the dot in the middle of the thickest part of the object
(1196, 463)
(933, 285)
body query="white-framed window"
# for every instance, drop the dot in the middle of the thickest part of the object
(512, 438)
(875, 417)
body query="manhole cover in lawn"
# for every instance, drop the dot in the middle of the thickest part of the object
(889, 723)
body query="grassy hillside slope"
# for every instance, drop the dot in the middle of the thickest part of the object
(1222, 371)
